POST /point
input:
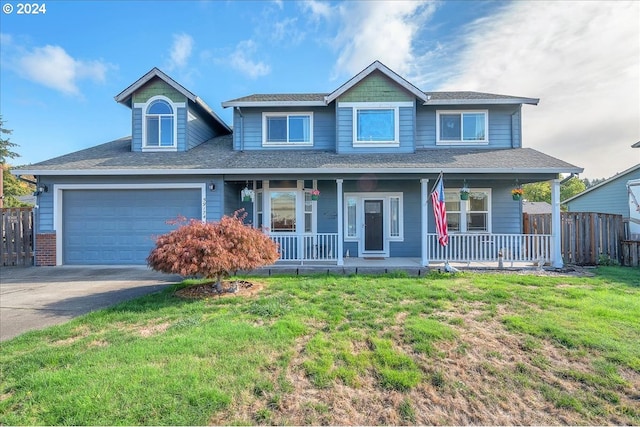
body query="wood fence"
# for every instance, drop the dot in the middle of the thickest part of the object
(631, 253)
(585, 236)
(16, 232)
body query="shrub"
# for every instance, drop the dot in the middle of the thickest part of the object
(212, 249)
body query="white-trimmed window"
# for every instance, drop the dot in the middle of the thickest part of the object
(462, 127)
(280, 129)
(376, 124)
(159, 123)
(473, 215)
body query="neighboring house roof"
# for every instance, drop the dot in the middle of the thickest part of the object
(536, 207)
(29, 199)
(217, 156)
(125, 97)
(603, 183)
(428, 98)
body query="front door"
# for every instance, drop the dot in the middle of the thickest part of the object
(373, 225)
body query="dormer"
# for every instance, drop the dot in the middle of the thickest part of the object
(376, 112)
(168, 117)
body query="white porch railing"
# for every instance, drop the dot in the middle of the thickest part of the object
(307, 247)
(486, 247)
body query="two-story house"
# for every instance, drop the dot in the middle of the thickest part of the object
(329, 176)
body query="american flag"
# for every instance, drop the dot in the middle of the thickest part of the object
(440, 211)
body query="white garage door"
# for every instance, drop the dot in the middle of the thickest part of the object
(118, 227)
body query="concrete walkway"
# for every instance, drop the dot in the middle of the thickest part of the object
(36, 297)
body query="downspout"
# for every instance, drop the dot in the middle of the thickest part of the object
(241, 133)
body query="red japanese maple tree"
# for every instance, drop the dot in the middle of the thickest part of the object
(212, 249)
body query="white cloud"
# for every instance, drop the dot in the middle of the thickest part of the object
(241, 60)
(582, 59)
(180, 50)
(318, 10)
(377, 30)
(53, 67)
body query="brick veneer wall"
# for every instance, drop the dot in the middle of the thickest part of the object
(45, 249)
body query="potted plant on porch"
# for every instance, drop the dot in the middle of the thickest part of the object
(315, 194)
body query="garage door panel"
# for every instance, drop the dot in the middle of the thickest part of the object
(120, 226)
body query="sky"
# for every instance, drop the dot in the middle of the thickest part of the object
(61, 68)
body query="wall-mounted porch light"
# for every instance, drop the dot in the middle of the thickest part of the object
(212, 186)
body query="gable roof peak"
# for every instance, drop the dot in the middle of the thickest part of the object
(126, 96)
(376, 66)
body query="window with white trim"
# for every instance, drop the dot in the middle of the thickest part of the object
(287, 129)
(473, 215)
(462, 127)
(160, 125)
(376, 124)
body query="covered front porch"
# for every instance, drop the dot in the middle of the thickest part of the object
(487, 249)
(365, 218)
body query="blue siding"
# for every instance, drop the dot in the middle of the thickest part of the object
(181, 129)
(504, 125)
(407, 133)
(611, 197)
(136, 135)
(198, 130)
(248, 128)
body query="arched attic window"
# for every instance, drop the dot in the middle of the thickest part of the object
(160, 124)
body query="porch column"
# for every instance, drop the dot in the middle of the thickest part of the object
(556, 227)
(340, 223)
(424, 215)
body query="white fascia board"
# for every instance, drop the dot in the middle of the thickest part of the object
(531, 101)
(318, 171)
(274, 104)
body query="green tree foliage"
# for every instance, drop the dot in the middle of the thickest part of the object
(10, 186)
(14, 187)
(541, 191)
(212, 249)
(6, 145)
(572, 187)
(537, 192)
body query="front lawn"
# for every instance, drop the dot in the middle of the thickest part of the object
(470, 348)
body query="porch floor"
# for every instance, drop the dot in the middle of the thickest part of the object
(411, 266)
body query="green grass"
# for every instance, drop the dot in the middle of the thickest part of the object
(162, 360)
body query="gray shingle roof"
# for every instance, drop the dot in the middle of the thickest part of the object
(434, 98)
(282, 97)
(217, 156)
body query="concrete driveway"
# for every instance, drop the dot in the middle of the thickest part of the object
(36, 297)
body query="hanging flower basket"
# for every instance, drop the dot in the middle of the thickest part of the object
(516, 193)
(247, 195)
(464, 191)
(315, 194)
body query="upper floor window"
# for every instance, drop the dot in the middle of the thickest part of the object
(462, 127)
(376, 124)
(160, 127)
(287, 129)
